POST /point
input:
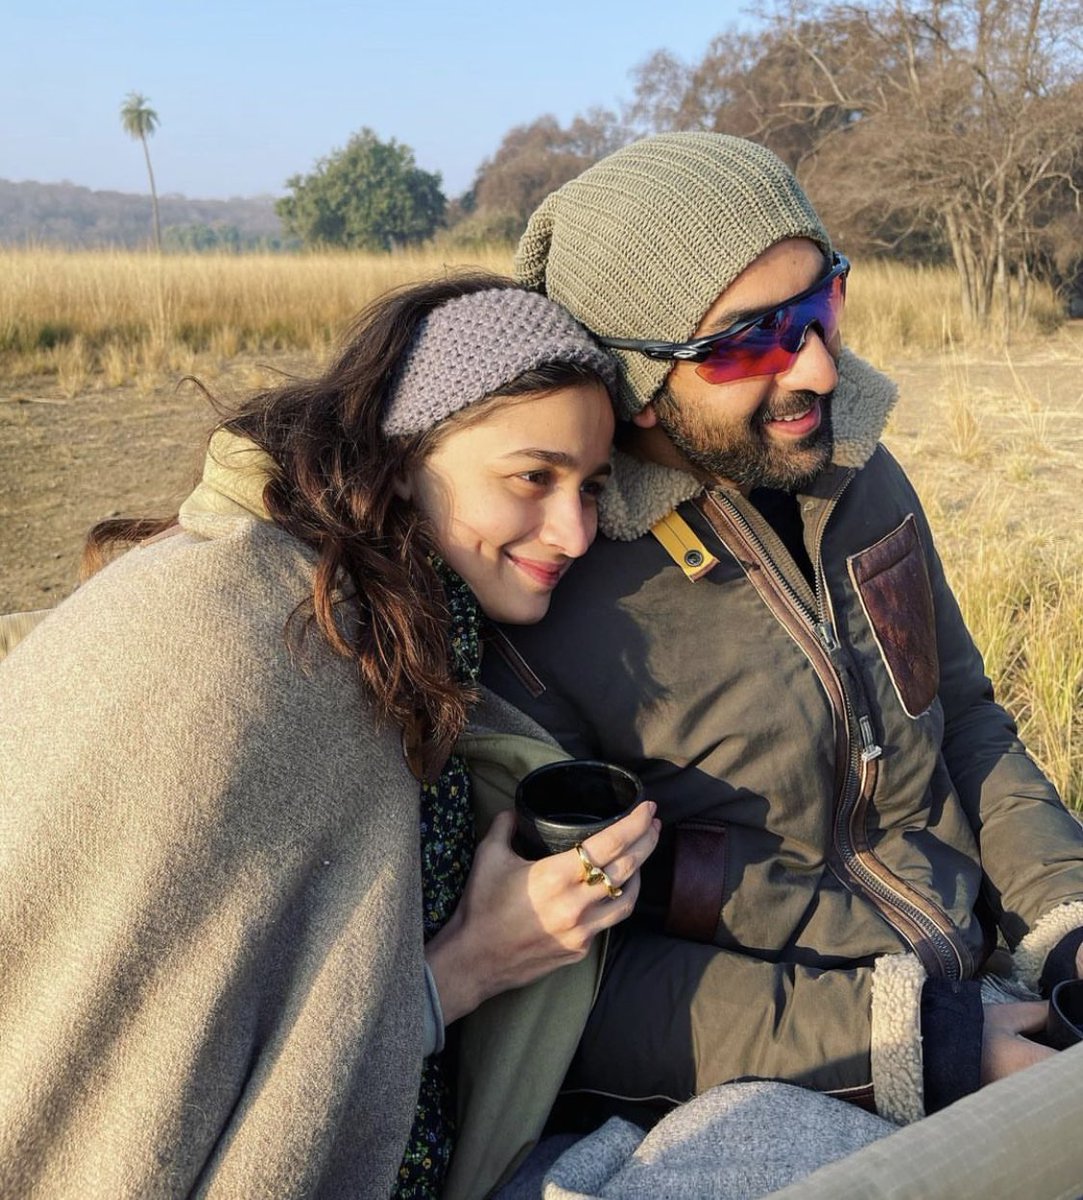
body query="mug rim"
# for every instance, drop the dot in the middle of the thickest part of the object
(539, 834)
(609, 768)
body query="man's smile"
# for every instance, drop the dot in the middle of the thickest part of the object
(799, 424)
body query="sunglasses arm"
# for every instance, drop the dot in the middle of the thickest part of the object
(669, 351)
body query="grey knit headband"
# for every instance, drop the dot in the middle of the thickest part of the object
(474, 345)
(643, 243)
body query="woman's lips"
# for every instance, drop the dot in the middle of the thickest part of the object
(547, 574)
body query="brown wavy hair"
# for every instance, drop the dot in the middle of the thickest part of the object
(376, 597)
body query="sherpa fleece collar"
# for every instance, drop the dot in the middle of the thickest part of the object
(641, 493)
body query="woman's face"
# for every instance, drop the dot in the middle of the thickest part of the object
(512, 496)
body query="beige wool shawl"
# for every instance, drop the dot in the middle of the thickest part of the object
(209, 893)
(210, 918)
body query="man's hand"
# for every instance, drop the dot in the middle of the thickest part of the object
(1004, 1048)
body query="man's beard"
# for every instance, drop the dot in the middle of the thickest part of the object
(744, 454)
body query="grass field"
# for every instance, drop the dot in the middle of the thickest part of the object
(104, 319)
(92, 344)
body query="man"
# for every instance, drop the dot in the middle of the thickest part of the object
(765, 634)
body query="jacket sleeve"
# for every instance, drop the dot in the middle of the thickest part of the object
(1031, 847)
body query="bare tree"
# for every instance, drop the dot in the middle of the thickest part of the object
(965, 114)
(533, 160)
(665, 99)
(751, 85)
(140, 121)
(921, 122)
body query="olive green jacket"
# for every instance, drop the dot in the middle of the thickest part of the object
(847, 809)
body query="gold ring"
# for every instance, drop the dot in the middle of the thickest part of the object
(593, 874)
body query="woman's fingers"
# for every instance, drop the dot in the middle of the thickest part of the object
(502, 827)
(618, 838)
(624, 866)
(612, 910)
(598, 882)
(622, 848)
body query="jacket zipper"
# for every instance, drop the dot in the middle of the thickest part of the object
(918, 928)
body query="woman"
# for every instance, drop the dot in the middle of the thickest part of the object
(227, 967)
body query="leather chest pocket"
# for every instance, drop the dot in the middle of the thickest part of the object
(892, 580)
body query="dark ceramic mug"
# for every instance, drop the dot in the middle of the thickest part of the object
(1064, 1025)
(567, 802)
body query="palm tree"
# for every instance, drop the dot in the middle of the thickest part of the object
(139, 120)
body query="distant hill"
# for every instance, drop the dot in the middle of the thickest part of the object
(62, 214)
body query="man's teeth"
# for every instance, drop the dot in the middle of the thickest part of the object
(791, 416)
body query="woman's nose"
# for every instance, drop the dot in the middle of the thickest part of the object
(570, 524)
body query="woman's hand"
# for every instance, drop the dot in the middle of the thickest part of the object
(519, 920)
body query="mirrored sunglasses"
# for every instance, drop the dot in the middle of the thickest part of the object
(763, 343)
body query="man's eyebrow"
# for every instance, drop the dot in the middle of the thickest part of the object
(555, 458)
(724, 320)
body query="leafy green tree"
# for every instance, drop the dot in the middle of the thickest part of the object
(140, 121)
(370, 195)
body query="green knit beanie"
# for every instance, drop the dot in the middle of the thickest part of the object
(642, 243)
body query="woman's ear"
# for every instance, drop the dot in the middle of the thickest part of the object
(403, 487)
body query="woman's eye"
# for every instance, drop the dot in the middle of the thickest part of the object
(538, 478)
(593, 487)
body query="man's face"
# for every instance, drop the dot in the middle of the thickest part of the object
(767, 431)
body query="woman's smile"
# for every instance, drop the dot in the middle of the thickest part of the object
(548, 575)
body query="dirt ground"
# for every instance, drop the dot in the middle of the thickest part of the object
(973, 430)
(1002, 433)
(67, 463)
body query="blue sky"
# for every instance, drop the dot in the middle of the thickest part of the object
(251, 93)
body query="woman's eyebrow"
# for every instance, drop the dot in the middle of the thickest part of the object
(555, 458)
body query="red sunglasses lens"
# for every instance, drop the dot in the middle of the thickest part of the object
(771, 345)
(740, 361)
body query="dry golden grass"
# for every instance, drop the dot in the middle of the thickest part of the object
(1020, 591)
(110, 317)
(1023, 603)
(103, 320)
(1019, 583)
(894, 309)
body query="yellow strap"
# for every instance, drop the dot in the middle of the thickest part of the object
(681, 544)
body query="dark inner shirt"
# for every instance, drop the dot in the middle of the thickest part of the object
(781, 511)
